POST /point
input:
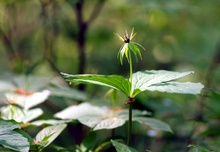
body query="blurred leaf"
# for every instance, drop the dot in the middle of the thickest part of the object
(61, 149)
(76, 111)
(28, 100)
(105, 118)
(6, 86)
(153, 123)
(196, 148)
(97, 123)
(112, 81)
(88, 142)
(214, 103)
(67, 93)
(20, 115)
(92, 116)
(48, 135)
(121, 147)
(11, 139)
(124, 113)
(49, 122)
(3, 149)
(30, 82)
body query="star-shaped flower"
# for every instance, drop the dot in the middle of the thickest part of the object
(129, 46)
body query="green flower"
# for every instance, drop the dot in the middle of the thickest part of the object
(129, 46)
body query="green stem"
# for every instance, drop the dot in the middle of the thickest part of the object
(129, 125)
(130, 103)
(131, 70)
(99, 148)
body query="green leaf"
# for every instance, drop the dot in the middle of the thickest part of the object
(28, 101)
(49, 134)
(97, 123)
(112, 81)
(77, 111)
(92, 116)
(11, 139)
(121, 147)
(98, 117)
(3, 149)
(67, 93)
(20, 115)
(177, 87)
(160, 81)
(135, 50)
(196, 148)
(6, 86)
(33, 83)
(88, 142)
(153, 123)
(123, 50)
(49, 122)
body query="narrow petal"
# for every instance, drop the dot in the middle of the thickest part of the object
(120, 38)
(132, 34)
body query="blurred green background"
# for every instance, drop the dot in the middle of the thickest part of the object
(45, 37)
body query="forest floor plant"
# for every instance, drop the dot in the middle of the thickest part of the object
(18, 112)
(149, 80)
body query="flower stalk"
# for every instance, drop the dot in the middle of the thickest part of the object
(126, 50)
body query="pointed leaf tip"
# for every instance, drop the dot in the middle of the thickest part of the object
(121, 147)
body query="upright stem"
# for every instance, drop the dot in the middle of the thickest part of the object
(129, 125)
(130, 103)
(130, 63)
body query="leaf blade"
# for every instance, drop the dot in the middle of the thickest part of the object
(177, 87)
(155, 81)
(11, 139)
(121, 147)
(153, 123)
(112, 81)
(49, 134)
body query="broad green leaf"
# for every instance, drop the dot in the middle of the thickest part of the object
(158, 80)
(49, 134)
(121, 147)
(177, 87)
(20, 115)
(67, 93)
(11, 139)
(153, 123)
(112, 81)
(8, 125)
(143, 79)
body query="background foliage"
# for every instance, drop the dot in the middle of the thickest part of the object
(44, 37)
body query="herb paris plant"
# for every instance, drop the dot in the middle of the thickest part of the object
(149, 80)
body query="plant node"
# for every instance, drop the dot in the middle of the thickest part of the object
(130, 100)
